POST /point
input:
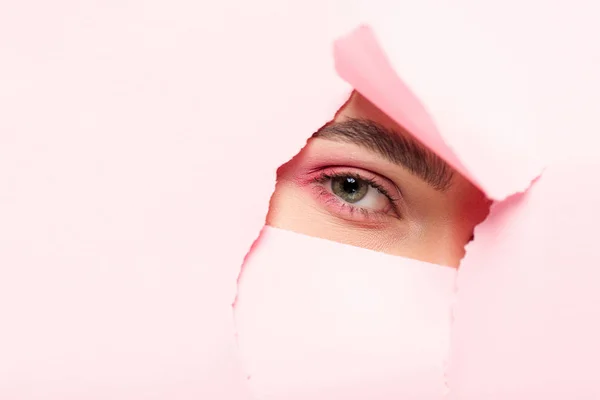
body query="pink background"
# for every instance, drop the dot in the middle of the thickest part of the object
(138, 147)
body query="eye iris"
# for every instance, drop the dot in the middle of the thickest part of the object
(349, 189)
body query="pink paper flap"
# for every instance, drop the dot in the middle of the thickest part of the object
(363, 63)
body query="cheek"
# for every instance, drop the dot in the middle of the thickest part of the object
(452, 228)
(435, 240)
(294, 209)
(318, 319)
(444, 237)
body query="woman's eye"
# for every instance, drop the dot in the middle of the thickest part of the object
(349, 188)
(359, 192)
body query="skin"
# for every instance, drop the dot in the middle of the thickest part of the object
(424, 222)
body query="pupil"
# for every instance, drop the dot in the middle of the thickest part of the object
(350, 185)
(349, 189)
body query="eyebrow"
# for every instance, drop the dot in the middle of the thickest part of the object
(396, 147)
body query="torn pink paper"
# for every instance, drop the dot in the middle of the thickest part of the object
(477, 155)
(321, 320)
(134, 177)
(138, 148)
(527, 319)
(330, 339)
(526, 316)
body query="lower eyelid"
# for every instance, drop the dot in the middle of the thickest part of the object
(346, 210)
(317, 177)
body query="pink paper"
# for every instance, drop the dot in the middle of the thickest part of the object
(336, 321)
(527, 315)
(138, 148)
(133, 179)
(491, 160)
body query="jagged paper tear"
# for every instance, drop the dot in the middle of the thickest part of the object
(525, 317)
(337, 321)
(138, 147)
(138, 144)
(486, 155)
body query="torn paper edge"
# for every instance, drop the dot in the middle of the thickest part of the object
(446, 363)
(362, 42)
(347, 97)
(340, 46)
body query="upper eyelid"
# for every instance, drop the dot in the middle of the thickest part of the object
(371, 182)
(394, 201)
(394, 146)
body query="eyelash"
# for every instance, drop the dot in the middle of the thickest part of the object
(349, 209)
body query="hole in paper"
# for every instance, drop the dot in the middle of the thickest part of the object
(363, 180)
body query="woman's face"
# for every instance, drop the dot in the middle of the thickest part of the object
(362, 180)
